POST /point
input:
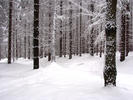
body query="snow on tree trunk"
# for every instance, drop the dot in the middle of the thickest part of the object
(92, 32)
(110, 56)
(36, 35)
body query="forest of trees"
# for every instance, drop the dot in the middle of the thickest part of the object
(34, 29)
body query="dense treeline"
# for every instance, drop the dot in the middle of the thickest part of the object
(79, 29)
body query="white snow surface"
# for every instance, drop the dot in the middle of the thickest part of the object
(78, 79)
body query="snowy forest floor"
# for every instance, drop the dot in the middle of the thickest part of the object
(78, 79)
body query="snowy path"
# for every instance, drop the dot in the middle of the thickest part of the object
(77, 79)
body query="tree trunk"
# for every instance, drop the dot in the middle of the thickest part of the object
(29, 47)
(122, 41)
(25, 40)
(53, 56)
(80, 33)
(92, 32)
(127, 29)
(61, 5)
(36, 35)
(13, 42)
(100, 49)
(0, 51)
(92, 42)
(70, 33)
(49, 36)
(10, 32)
(65, 37)
(110, 56)
(16, 42)
(77, 33)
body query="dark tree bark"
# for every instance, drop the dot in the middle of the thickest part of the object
(92, 42)
(25, 40)
(100, 49)
(101, 43)
(16, 42)
(83, 45)
(10, 32)
(29, 45)
(131, 23)
(110, 56)
(80, 33)
(88, 46)
(127, 28)
(49, 35)
(0, 52)
(65, 34)
(92, 32)
(20, 48)
(77, 33)
(41, 49)
(97, 45)
(36, 35)
(122, 41)
(13, 41)
(65, 42)
(70, 33)
(61, 40)
(29, 42)
(65, 37)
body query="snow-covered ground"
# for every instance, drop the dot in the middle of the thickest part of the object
(78, 79)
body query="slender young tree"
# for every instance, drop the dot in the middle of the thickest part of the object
(77, 33)
(25, 39)
(0, 52)
(10, 32)
(122, 40)
(127, 27)
(131, 23)
(49, 37)
(36, 35)
(53, 58)
(65, 35)
(80, 33)
(16, 41)
(92, 32)
(61, 38)
(110, 56)
(70, 33)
